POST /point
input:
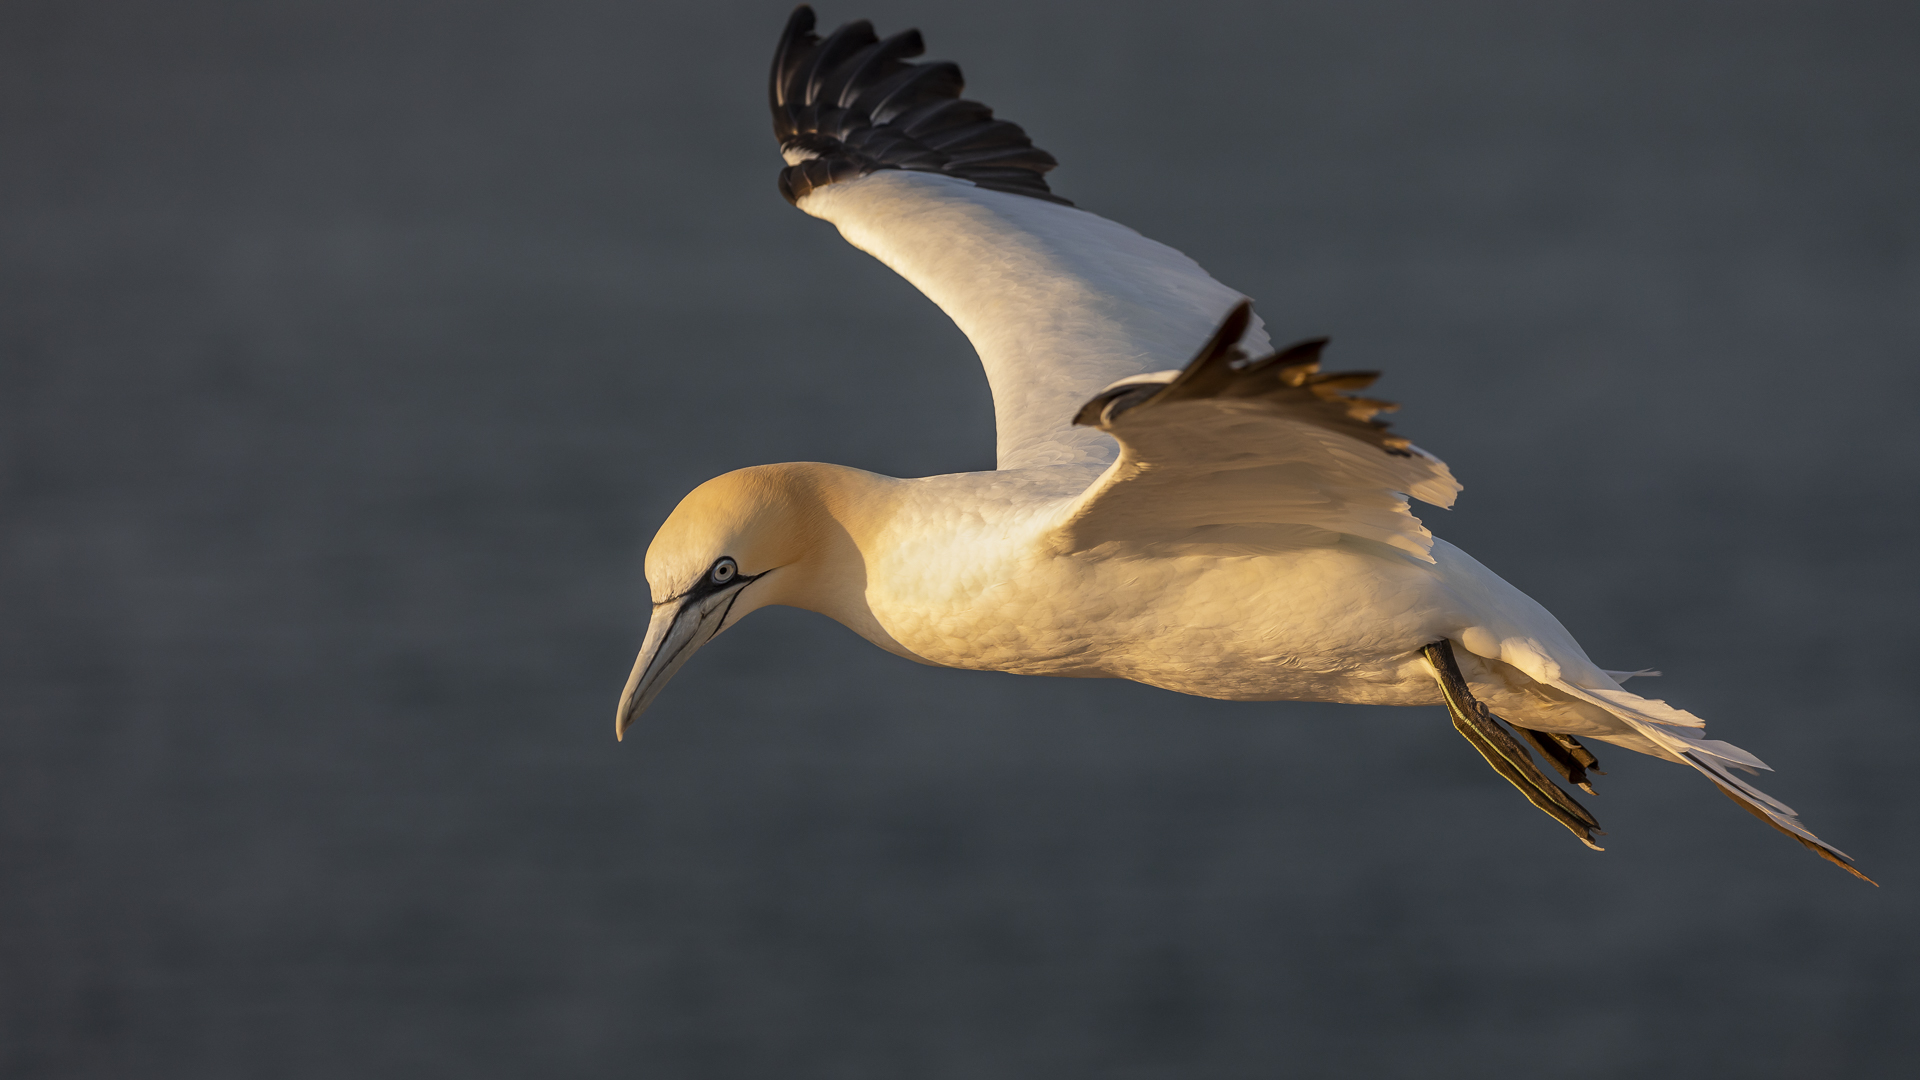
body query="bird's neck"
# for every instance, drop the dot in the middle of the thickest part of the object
(836, 519)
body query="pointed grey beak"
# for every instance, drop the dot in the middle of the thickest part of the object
(678, 629)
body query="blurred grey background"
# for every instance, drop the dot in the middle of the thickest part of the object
(352, 351)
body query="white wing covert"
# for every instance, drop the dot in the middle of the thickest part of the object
(1058, 302)
(1235, 440)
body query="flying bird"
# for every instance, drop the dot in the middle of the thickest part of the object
(1175, 501)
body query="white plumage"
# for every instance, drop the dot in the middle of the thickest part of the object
(1172, 505)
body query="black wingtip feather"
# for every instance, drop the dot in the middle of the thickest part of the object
(785, 60)
(1292, 376)
(1225, 342)
(853, 105)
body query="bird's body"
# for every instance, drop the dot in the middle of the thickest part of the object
(1235, 528)
(965, 571)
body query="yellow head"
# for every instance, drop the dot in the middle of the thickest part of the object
(772, 534)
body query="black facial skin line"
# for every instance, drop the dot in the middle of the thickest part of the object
(705, 587)
(694, 595)
(722, 625)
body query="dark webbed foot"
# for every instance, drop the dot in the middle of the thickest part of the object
(1565, 754)
(1508, 758)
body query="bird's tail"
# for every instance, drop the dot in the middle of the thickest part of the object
(1680, 733)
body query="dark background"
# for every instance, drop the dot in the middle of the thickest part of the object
(351, 352)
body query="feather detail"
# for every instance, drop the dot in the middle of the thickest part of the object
(1714, 760)
(1234, 440)
(852, 104)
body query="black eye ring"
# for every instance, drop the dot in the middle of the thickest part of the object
(723, 571)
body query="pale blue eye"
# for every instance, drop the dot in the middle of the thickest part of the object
(723, 571)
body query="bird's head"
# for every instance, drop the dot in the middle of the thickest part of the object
(737, 543)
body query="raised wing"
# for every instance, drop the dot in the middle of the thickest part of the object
(851, 105)
(1234, 443)
(1058, 302)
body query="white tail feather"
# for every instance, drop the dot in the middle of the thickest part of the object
(1678, 732)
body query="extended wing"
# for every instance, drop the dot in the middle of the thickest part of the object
(1236, 442)
(1057, 301)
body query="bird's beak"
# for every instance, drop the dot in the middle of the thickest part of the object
(678, 629)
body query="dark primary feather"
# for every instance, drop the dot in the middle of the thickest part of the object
(1290, 378)
(851, 104)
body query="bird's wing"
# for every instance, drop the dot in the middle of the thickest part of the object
(1057, 301)
(1238, 443)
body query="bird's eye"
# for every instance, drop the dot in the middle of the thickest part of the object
(723, 571)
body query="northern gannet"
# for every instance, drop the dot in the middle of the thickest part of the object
(1236, 527)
